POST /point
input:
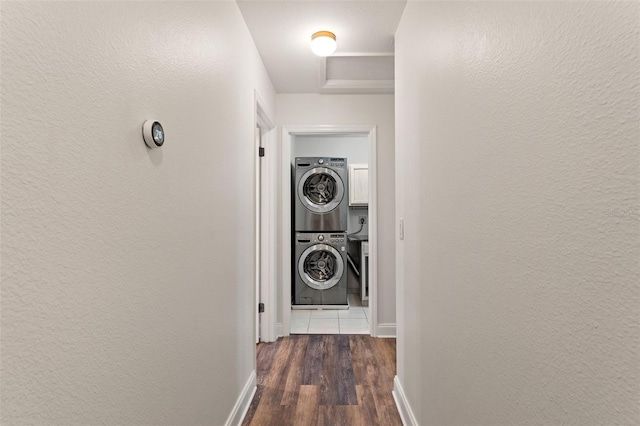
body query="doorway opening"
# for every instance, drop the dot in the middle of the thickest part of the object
(354, 146)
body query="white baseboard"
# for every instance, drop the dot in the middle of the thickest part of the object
(279, 329)
(386, 330)
(406, 414)
(244, 401)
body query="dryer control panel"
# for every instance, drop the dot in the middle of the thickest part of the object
(338, 162)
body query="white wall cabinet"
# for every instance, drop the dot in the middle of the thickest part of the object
(358, 184)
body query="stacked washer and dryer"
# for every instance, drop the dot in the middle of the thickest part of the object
(320, 209)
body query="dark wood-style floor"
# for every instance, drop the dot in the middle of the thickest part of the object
(325, 380)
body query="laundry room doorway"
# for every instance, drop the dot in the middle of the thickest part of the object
(321, 249)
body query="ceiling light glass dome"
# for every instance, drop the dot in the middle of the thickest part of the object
(323, 43)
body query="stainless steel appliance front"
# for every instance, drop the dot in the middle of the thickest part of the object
(320, 269)
(321, 200)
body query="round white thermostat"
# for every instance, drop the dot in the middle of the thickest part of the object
(153, 134)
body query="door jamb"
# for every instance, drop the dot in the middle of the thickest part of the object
(268, 226)
(288, 132)
(258, 231)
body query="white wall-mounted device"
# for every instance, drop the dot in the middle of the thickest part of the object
(153, 134)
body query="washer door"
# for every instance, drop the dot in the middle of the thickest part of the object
(320, 266)
(320, 190)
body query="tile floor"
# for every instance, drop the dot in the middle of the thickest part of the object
(354, 320)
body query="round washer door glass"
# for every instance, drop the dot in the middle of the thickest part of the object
(321, 266)
(320, 190)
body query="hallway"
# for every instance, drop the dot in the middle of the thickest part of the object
(506, 242)
(325, 380)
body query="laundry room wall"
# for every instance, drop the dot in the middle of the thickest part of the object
(353, 109)
(519, 183)
(127, 273)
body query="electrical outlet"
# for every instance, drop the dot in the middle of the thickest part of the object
(362, 220)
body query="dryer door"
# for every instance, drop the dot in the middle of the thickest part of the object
(321, 266)
(320, 189)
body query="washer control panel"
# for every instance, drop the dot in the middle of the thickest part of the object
(308, 238)
(337, 238)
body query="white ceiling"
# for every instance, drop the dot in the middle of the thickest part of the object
(364, 29)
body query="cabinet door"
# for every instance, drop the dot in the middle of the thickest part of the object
(358, 184)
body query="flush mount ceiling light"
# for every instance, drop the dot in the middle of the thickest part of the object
(323, 43)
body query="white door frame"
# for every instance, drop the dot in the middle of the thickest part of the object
(288, 132)
(257, 190)
(265, 258)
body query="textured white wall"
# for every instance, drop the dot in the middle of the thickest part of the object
(127, 280)
(518, 176)
(312, 109)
